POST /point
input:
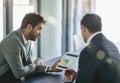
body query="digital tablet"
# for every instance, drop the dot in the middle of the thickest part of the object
(67, 61)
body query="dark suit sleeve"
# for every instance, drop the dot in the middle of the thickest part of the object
(87, 67)
(40, 69)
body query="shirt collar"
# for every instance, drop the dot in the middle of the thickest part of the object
(25, 41)
(90, 38)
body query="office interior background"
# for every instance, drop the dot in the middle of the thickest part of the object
(63, 23)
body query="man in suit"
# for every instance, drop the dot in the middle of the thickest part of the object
(15, 55)
(99, 61)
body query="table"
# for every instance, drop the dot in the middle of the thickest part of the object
(46, 77)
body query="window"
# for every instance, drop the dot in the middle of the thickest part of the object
(20, 8)
(52, 31)
(110, 14)
(1, 19)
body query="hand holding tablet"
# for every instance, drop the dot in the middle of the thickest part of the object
(67, 61)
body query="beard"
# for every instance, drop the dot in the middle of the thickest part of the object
(32, 36)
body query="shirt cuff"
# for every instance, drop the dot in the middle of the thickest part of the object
(46, 68)
(41, 68)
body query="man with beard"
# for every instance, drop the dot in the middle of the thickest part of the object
(15, 54)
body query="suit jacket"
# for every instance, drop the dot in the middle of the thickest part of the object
(99, 62)
(15, 56)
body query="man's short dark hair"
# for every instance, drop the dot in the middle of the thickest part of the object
(92, 22)
(33, 19)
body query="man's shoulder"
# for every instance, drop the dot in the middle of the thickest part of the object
(13, 37)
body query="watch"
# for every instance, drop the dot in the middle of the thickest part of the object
(50, 69)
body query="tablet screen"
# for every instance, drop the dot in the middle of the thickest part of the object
(67, 61)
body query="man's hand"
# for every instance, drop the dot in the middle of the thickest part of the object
(38, 62)
(54, 69)
(69, 75)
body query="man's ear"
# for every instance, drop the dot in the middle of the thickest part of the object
(29, 26)
(83, 28)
